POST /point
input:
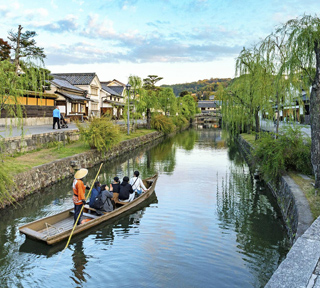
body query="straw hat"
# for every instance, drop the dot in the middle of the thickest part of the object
(81, 173)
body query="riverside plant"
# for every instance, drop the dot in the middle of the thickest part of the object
(162, 123)
(291, 150)
(100, 133)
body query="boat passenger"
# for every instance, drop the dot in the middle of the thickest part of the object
(94, 193)
(137, 183)
(106, 198)
(126, 193)
(115, 186)
(79, 189)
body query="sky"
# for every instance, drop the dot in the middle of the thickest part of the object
(181, 41)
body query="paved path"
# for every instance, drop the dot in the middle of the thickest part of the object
(29, 130)
(269, 125)
(6, 132)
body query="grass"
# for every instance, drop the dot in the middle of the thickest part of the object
(248, 137)
(309, 191)
(25, 161)
(135, 134)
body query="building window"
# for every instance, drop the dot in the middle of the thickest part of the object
(74, 108)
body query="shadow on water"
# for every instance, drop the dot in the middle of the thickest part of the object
(103, 232)
(246, 206)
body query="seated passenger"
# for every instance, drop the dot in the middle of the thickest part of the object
(106, 198)
(137, 183)
(94, 193)
(115, 186)
(126, 193)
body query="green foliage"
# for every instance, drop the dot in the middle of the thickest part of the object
(149, 83)
(180, 121)
(167, 101)
(202, 88)
(100, 133)
(162, 123)
(290, 151)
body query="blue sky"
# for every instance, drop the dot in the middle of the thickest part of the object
(181, 41)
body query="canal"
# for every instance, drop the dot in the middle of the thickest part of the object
(209, 224)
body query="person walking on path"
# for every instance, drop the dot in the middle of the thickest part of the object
(56, 117)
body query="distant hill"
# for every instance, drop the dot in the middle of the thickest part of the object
(202, 88)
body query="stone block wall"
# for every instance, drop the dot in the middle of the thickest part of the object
(32, 142)
(44, 175)
(293, 205)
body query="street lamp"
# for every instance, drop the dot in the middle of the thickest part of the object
(128, 86)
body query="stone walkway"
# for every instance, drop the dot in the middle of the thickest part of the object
(269, 126)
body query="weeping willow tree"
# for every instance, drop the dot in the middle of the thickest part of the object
(302, 66)
(13, 87)
(136, 86)
(249, 94)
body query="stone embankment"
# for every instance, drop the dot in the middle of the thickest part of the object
(44, 175)
(301, 268)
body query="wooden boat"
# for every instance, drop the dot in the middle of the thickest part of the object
(58, 227)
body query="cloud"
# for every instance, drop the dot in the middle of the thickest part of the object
(68, 24)
(35, 13)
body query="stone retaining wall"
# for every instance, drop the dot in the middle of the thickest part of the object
(293, 205)
(32, 142)
(47, 174)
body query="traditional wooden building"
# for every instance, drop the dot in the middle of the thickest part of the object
(112, 102)
(91, 84)
(71, 100)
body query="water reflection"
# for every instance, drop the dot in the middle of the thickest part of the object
(225, 224)
(248, 208)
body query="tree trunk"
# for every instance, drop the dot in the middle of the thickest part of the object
(148, 118)
(315, 120)
(17, 51)
(256, 117)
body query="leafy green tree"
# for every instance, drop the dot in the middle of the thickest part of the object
(149, 83)
(189, 106)
(168, 101)
(5, 49)
(25, 46)
(136, 86)
(249, 93)
(147, 101)
(183, 93)
(303, 50)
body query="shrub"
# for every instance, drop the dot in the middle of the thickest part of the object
(290, 151)
(162, 123)
(180, 121)
(100, 133)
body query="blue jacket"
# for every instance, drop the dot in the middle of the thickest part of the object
(94, 194)
(56, 113)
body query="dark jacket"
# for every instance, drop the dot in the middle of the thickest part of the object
(94, 194)
(116, 187)
(125, 190)
(106, 198)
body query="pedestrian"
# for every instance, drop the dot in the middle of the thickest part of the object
(56, 117)
(79, 189)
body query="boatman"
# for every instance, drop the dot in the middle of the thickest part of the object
(79, 189)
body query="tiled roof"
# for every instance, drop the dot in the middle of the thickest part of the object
(114, 103)
(109, 90)
(61, 82)
(117, 89)
(77, 78)
(207, 104)
(73, 97)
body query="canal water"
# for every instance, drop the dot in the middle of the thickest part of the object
(209, 224)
